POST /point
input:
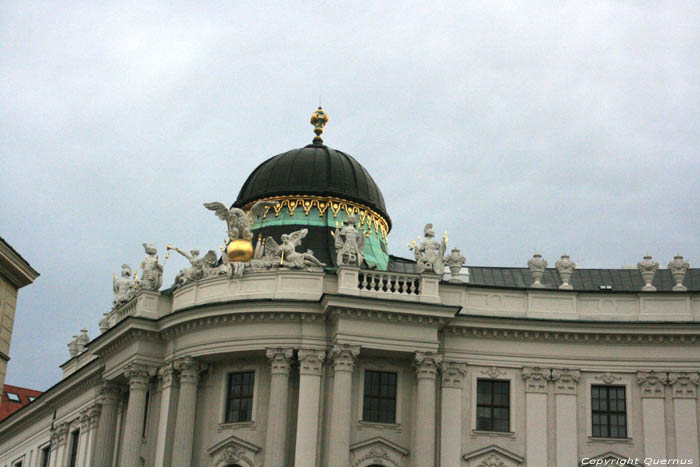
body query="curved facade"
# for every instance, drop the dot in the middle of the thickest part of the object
(357, 366)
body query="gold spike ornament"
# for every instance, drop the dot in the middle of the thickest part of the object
(319, 120)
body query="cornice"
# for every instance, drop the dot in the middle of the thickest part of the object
(128, 336)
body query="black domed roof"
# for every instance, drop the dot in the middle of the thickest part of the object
(317, 170)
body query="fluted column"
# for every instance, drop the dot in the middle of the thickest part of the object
(189, 370)
(343, 357)
(138, 377)
(426, 372)
(106, 425)
(93, 414)
(451, 414)
(169, 392)
(565, 386)
(536, 414)
(310, 366)
(276, 437)
(59, 436)
(685, 414)
(653, 416)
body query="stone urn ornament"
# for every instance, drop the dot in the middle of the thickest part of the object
(73, 346)
(565, 267)
(648, 268)
(678, 269)
(537, 267)
(454, 261)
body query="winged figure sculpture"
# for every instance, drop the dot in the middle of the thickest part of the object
(287, 254)
(237, 220)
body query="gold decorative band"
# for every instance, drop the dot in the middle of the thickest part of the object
(306, 202)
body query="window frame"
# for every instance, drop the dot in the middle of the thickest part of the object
(512, 375)
(383, 366)
(379, 396)
(74, 451)
(229, 370)
(45, 455)
(493, 405)
(619, 380)
(10, 396)
(609, 412)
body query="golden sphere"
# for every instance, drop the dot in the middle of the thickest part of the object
(240, 250)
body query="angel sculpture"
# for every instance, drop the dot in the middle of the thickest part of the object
(194, 272)
(287, 254)
(349, 243)
(237, 220)
(152, 276)
(431, 252)
(123, 287)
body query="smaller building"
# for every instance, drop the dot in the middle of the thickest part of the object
(14, 398)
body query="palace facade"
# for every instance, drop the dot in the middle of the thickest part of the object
(306, 344)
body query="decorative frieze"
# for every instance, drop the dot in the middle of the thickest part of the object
(452, 374)
(493, 372)
(608, 378)
(311, 361)
(565, 380)
(652, 383)
(427, 364)
(343, 356)
(684, 384)
(536, 379)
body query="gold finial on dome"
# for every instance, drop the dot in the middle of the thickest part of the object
(319, 120)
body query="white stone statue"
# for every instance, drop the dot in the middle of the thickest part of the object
(678, 269)
(123, 287)
(430, 253)
(212, 268)
(647, 268)
(194, 272)
(349, 243)
(152, 270)
(537, 266)
(286, 255)
(237, 220)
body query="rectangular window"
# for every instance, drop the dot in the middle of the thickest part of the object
(379, 404)
(74, 436)
(609, 412)
(493, 405)
(45, 453)
(239, 400)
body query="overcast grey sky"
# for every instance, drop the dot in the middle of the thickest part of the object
(550, 126)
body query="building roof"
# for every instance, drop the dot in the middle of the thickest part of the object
(316, 170)
(14, 267)
(14, 398)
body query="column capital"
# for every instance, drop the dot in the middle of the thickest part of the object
(110, 394)
(59, 435)
(536, 379)
(138, 376)
(652, 383)
(84, 420)
(311, 361)
(280, 360)
(684, 384)
(452, 374)
(427, 364)
(189, 369)
(167, 375)
(344, 356)
(93, 414)
(565, 380)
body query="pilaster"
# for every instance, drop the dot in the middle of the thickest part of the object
(535, 379)
(565, 387)
(310, 369)
(169, 392)
(452, 375)
(138, 376)
(109, 399)
(343, 357)
(653, 416)
(427, 366)
(189, 369)
(684, 390)
(276, 436)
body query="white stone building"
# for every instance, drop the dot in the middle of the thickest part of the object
(272, 360)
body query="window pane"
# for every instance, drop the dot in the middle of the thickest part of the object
(379, 401)
(240, 397)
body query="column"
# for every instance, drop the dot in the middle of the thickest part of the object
(276, 434)
(451, 414)
(310, 367)
(169, 391)
(343, 357)
(138, 377)
(652, 386)
(106, 425)
(58, 444)
(84, 438)
(189, 370)
(93, 417)
(685, 414)
(565, 386)
(426, 372)
(536, 414)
